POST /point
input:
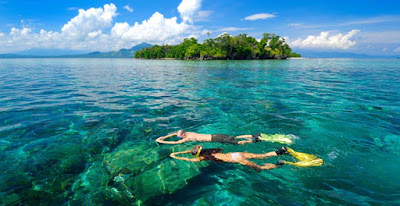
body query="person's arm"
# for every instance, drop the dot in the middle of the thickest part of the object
(162, 139)
(173, 155)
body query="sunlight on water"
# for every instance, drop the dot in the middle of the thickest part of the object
(82, 131)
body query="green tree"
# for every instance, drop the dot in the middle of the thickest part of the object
(193, 51)
(224, 46)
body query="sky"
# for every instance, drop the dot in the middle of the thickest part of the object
(364, 27)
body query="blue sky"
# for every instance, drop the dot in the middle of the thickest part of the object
(369, 27)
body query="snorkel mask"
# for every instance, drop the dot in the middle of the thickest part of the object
(198, 152)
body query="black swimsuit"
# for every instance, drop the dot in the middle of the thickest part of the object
(223, 138)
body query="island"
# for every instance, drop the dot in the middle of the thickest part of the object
(224, 47)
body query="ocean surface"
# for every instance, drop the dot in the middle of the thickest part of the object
(82, 131)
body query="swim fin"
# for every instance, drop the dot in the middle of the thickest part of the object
(301, 156)
(306, 160)
(311, 163)
(280, 138)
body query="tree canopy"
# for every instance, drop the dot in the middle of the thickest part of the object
(224, 46)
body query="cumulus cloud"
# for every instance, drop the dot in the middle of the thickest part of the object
(324, 41)
(94, 30)
(397, 49)
(189, 9)
(128, 8)
(259, 16)
(91, 20)
(156, 29)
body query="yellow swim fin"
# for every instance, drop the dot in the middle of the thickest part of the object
(306, 160)
(280, 138)
(311, 163)
(301, 156)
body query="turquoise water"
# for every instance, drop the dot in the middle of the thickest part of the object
(82, 131)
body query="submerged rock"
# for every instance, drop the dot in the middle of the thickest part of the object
(91, 186)
(137, 170)
(131, 160)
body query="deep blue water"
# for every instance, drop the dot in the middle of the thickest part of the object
(62, 121)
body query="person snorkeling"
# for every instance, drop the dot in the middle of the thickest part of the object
(201, 154)
(242, 139)
(215, 154)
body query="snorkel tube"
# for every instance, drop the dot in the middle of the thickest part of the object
(199, 151)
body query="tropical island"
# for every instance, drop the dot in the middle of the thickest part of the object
(224, 47)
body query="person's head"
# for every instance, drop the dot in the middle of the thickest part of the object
(197, 150)
(181, 133)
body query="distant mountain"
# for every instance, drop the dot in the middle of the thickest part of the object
(122, 53)
(49, 53)
(316, 54)
(11, 56)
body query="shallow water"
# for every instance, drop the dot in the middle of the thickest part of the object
(82, 131)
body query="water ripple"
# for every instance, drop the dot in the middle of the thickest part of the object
(344, 110)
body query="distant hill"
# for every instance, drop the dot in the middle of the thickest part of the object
(122, 53)
(40, 53)
(316, 54)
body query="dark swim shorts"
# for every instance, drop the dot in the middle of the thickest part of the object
(223, 138)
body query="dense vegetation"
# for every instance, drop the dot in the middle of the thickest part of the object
(223, 47)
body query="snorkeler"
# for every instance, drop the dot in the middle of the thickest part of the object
(242, 139)
(306, 160)
(231, 157)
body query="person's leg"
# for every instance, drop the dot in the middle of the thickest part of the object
(247, 155)
(245, 142)
(249, 138)
(257, 167)
(250, 164)
(245, 137)
(269, 166)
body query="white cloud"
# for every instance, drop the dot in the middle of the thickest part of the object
(88, 21)
(372, 20)
(357, 22)
(381, 37)
(228, 29)
(189, 9)
(324, 41)
(259, 16)
(156, 29)
(94, 30)
(223, 33)
(128, 8)
(72, 8)
(397, 49)
(202, 15)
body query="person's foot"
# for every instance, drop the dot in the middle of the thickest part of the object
(257, 169)
(280, 163)
(256, 137)
(282, 151)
